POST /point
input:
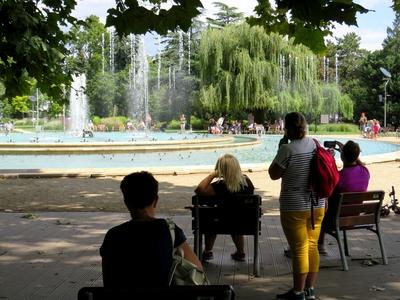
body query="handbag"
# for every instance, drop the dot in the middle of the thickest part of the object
(183, 272)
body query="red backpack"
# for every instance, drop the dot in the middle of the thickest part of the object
(324, 173)
(324, 176)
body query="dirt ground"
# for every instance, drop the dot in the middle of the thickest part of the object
(102, 194)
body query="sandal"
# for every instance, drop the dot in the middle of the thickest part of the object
(207, 255)
(238, 256)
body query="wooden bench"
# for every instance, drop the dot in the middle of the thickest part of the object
(357, 211)
(192, 292)
(237, 214)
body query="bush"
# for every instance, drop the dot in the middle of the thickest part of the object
(197, 124)
(96, 120)
(174, 124)
(53, 125)
(114, 123)
(340, 127)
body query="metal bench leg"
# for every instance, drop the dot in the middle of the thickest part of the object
(383, 251)
(346, 246)
(256, 266)
(341, 251)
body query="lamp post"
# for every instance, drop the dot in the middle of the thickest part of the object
(384, 104)
(387, 78)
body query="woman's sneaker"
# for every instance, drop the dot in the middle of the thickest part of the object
(291, 295)
(309, 293)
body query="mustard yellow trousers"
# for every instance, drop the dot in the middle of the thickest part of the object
(302, 239)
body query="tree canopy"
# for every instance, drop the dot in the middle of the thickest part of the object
(226, 15)
(33, 44)
(308, 22)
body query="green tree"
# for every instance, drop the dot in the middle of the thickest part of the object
(153, 18)
(101, 90)
(33, 44)
(308, 22)
(20, 105)
(391, 61)
(226, 15)
(244, 68)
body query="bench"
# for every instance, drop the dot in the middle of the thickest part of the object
(236, 214)
(183, 292)
(359, 210)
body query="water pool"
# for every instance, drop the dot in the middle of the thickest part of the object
(258, 154)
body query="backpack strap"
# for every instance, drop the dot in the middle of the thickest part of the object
(171, 227)
(314, 201)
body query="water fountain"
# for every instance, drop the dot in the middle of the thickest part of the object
(139, 109)
(78, 104)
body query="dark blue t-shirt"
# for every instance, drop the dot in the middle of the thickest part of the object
(139, 254)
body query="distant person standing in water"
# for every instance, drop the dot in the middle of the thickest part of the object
(363, 123)
(183, 123)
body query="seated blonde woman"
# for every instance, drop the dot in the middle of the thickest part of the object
(226, 179)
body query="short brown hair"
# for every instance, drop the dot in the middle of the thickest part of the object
(296, 125)
(351, 151)
(140, 189)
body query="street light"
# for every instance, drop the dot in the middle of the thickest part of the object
(387, 78)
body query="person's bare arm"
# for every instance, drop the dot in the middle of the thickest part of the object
(189, 254)
(205, 188)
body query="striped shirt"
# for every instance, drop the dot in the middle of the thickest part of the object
(294, 158)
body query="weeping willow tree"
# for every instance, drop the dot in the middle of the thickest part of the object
(335, 102)
(244, 68)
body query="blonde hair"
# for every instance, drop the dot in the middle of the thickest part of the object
(228, 168)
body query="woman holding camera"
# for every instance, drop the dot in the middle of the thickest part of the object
(292, 164)
(354, 177)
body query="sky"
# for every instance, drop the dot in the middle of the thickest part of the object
(371, 26)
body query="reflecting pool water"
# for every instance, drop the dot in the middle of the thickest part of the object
(258, 154)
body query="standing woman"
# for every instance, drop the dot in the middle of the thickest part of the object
(292, 164)
(230, 180)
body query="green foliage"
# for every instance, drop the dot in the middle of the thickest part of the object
(340, 127)
(244, 68)
(308, 22)
(155, 18)
(197, 123)
(346, 105)
(114, 123)
(20, 104)
(101, 91)
(34, 44)
(53, 125)
(226, 15)
(96, 120)
(174, 124)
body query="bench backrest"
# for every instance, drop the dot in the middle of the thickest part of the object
(360, 209)
(195, 292)
(235, 214)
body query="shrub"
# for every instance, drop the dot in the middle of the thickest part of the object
(197, 124)
(114, 123)
(174, 124)
(96, 120)
(340, 127)
(53, 125)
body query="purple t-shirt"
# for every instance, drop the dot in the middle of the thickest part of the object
(353, 179)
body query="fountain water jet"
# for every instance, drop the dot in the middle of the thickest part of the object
(78, 104)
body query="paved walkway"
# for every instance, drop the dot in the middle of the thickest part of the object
(52, 255)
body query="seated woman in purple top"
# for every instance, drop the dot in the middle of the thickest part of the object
(354, 177)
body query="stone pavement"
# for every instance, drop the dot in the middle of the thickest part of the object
(52, 255)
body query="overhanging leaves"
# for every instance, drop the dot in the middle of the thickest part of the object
(130, 17)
